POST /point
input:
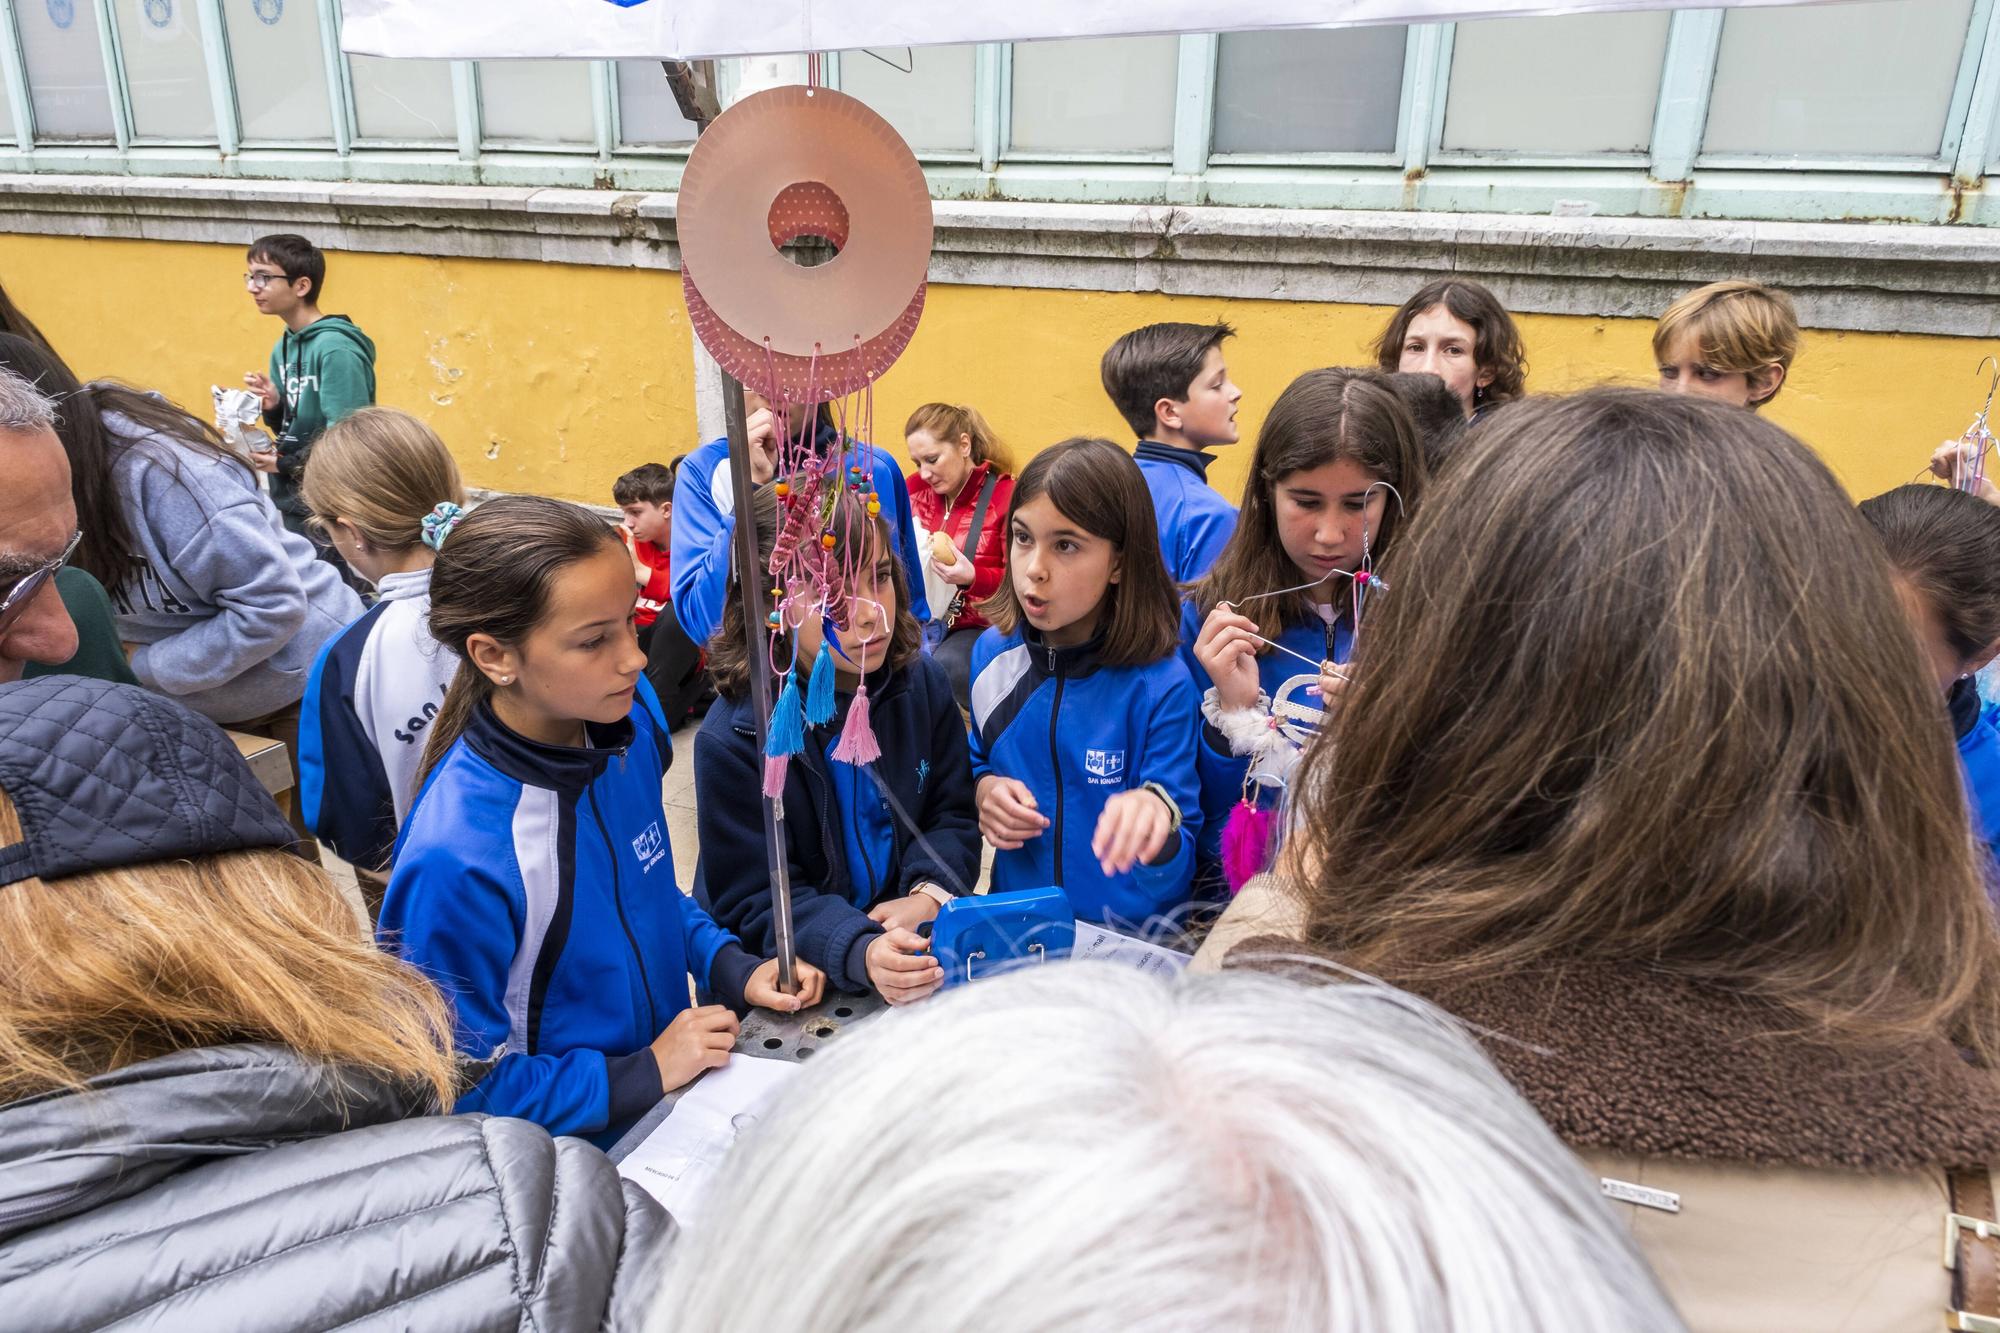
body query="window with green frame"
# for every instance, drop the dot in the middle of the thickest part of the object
(1608, 106)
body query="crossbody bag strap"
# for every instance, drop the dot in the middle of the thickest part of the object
(979, 516)
(971, 543)
(1972, 1252)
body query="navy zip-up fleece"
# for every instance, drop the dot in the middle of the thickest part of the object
(927, 770)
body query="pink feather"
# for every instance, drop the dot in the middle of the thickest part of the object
(1246, 844)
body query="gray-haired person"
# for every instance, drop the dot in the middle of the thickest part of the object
(37, 531)
(1085, 1147)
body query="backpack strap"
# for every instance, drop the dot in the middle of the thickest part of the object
(1972, 1252)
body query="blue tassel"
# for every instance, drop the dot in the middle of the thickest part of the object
(819, 691)
(787, 734)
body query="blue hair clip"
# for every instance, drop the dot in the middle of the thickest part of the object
(439, 523)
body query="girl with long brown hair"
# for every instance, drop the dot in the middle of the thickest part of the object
(534, 877)
(1640, 774)
(219, 1101)
(1337, 471)
(876, 844)
(1083, 718)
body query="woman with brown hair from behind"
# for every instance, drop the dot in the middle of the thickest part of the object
(217, 1097)
(1657, 797)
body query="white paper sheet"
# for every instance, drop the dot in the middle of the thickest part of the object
(678, 1162)
(699, 29)
(1108, 946)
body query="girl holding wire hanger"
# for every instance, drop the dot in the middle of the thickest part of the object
(879, 835)
(1083, 718)
(1337, 470)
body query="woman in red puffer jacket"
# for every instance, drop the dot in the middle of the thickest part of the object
(961, 486)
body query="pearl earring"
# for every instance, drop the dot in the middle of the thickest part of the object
(506, 680)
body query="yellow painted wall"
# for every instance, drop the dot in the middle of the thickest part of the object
(540, 377)
(554, 378)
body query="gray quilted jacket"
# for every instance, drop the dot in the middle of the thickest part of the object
(240, 1187)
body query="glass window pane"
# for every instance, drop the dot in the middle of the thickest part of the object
(6, 119)
(279, 68)
(647, 111)
(1309, 92)
(536, 101)
(65, 58)
(1583, 83)
(1852, 79)
(1095, 94)
(405, 100)
(166, 73)
(925, 92)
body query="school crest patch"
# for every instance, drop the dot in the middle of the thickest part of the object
(1104, 766)
(650, 846)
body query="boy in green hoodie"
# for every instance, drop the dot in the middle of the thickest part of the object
(322, 368)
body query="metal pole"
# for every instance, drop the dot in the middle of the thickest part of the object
(693, 85)
(749, 586)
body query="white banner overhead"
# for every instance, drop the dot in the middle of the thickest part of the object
(701, 29)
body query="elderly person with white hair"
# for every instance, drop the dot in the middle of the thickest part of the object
(37, 531)
(1085, 1147)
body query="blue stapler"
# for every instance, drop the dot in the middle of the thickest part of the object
(975, 937)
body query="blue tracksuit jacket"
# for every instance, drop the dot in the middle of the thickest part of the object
(704, 523)
(1222, 772)
(372, 693)
(1978, 730)
(534, 883)
(1078, 734)
(927, 770)
(1195, 522)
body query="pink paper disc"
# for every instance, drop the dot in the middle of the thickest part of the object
(793, 163)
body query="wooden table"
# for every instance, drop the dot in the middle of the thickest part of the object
(268, 764)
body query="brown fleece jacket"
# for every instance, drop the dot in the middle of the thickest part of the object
(1630, 1061)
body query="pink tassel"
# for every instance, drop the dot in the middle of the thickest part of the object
(1246, 844)
(857, 743)
(774, 774)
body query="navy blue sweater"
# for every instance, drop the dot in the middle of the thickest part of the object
(927, 769)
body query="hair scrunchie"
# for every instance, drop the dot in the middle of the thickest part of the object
(439, 523)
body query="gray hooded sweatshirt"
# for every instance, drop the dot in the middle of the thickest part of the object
(228, 607)
(241, 1187)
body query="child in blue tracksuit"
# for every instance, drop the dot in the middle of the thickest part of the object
(1083, 716)
(1337, 472)
(533, 880)
(1945, 547)
(383, 489)
(1170, 384)
(704, 520)
(874, 849)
